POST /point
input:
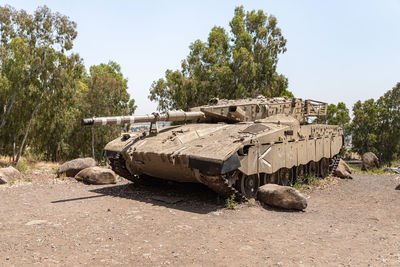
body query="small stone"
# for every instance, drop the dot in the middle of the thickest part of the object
(3, 180)
(34, 222)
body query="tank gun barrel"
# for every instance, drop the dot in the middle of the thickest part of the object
(176, 115)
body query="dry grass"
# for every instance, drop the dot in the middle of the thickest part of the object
(27, 164)
(313, 183)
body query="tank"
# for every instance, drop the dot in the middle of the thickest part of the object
(231, 146)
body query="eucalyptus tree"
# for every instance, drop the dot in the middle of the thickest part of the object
(33, 60)
(103, 92)
(376, 126)
(238, 64)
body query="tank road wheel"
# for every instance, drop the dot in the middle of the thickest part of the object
(249, 185)
(275, 178)
(265, 178)
(324, 167)
(300, 171)
(285, 176)
(312, 168)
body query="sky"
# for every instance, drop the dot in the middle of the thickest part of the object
(337, 51)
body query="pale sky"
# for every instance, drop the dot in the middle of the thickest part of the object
(336, 50)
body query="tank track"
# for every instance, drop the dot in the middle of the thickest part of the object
(334, 164)
(119, 167)
(220, 185)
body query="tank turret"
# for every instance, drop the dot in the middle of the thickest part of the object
(230, 111)
(252, 109)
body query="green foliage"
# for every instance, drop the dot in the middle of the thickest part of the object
(45, 90)
(357, 168)
(62, 176)
(237, 65)
(231, 202)
(24, 166)
(303, 183)
(338, 114)
(376, 126)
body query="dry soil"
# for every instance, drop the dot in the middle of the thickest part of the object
(62, 222)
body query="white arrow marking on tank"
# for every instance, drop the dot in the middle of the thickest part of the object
(263, 155)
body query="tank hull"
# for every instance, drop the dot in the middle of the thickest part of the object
(198, 152)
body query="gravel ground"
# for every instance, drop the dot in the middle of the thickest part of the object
(62, 222)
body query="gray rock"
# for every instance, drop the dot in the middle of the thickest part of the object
(72, 167)
(343, 170)
(369, 161)
(3, 180)
(9, 174)
(96, 175)
(281, 196)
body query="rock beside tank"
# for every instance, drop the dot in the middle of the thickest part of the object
(369, 161)
(96, 175)
(285, 197)
(72, 167)
(9, 174)
(343, 170)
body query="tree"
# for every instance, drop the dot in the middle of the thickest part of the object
(102, 93)
(237, 65)
(339, 115)
(364, 126)
(376, 126)
(34, 62)
(388, 132)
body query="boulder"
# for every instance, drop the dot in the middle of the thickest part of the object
(9, 174)
(369, 161)
(96, 175)
(342, 170)
(281, 196)
(72, 167)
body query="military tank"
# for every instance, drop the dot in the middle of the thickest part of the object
(231, 146)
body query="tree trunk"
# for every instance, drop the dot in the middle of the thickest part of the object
(4, 120)
(26, 133)
(14, 149)
(93, 143)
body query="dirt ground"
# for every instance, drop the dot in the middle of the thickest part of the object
(62, 222)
